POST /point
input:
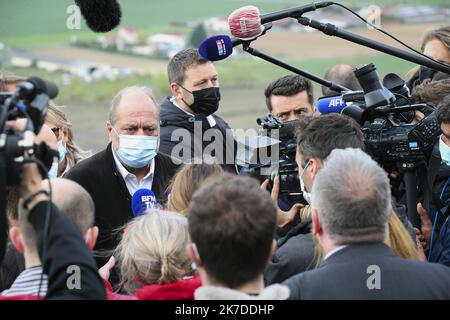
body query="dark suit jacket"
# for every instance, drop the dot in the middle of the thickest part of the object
(100, 177)
(347, 273)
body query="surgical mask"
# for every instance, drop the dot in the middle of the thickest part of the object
(206, 101)
(137, 151)
(444, 149)
(53, 172)
(61, 151)
(306, 195)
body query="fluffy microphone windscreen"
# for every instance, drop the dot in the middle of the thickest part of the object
(100, 15)
(245, 23)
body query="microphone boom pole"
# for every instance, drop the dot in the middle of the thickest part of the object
(284, 65)
(332, 30)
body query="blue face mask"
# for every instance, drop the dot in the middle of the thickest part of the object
(53, 172)
(61, 151)
(137, 151)
(444, 149)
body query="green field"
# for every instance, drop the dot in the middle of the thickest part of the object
(31, 22)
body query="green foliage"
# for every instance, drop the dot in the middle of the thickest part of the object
(197, 36)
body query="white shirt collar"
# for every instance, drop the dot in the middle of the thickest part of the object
(329, 254)
(210, 118)
(128, 176)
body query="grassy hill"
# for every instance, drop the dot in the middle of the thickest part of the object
(30, 22)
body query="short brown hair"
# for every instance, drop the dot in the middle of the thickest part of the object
(288, 86)
(232, 222)
(430, 91)
(176, 69)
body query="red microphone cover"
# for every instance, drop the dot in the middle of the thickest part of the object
(245, 23)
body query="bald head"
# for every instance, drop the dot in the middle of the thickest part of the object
(341, 74)
(73, 202)
(131, 97)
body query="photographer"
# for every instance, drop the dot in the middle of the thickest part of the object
(64, 245)
(439, 247)
(317, 137)
(290, 98)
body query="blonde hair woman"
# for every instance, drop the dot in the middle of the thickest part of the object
(398, 239)
(187, 180)
(69, 152)
(152, 258)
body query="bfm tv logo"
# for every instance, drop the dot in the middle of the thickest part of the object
(221, 49)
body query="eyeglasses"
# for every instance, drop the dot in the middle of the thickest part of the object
(56, 131)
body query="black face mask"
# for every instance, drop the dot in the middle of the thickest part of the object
(206, 101)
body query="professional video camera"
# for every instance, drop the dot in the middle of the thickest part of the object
(387, 120)
(29, 101)
(283, 147)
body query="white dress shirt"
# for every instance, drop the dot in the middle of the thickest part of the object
(210, 118)
(130, 179)
(329, 254)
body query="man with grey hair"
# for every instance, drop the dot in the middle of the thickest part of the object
(351, 203)
(130, 162)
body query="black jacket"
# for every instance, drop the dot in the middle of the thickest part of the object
(294, 254)
(172, 118)
(100, 177)
(350, 272)
(65, 249)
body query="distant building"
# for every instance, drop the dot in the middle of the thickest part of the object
(216, 24)
(167, 44)
(22, 61)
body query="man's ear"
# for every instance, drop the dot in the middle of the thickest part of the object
(16, 239)
(91, 237)
(192, 252)
(175, 89)
(316, 228)
(316, 165)
(109, 127)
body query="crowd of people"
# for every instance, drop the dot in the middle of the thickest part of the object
(217, 233)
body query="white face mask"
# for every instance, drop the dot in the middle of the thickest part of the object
(306, 195)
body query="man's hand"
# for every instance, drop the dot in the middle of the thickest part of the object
(283, 217)
(31, 183)
(426, 226)
(105, 271)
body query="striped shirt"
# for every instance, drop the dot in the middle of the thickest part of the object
(27, 283)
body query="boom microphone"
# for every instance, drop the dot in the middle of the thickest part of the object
(142, 200)
(220, 47)
(100, 15)
(245, 22)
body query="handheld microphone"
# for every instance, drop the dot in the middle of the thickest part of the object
(100, 15)
(246, 22)
(220, 47)
(331, 104)
(216, 48)
(142, 200)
